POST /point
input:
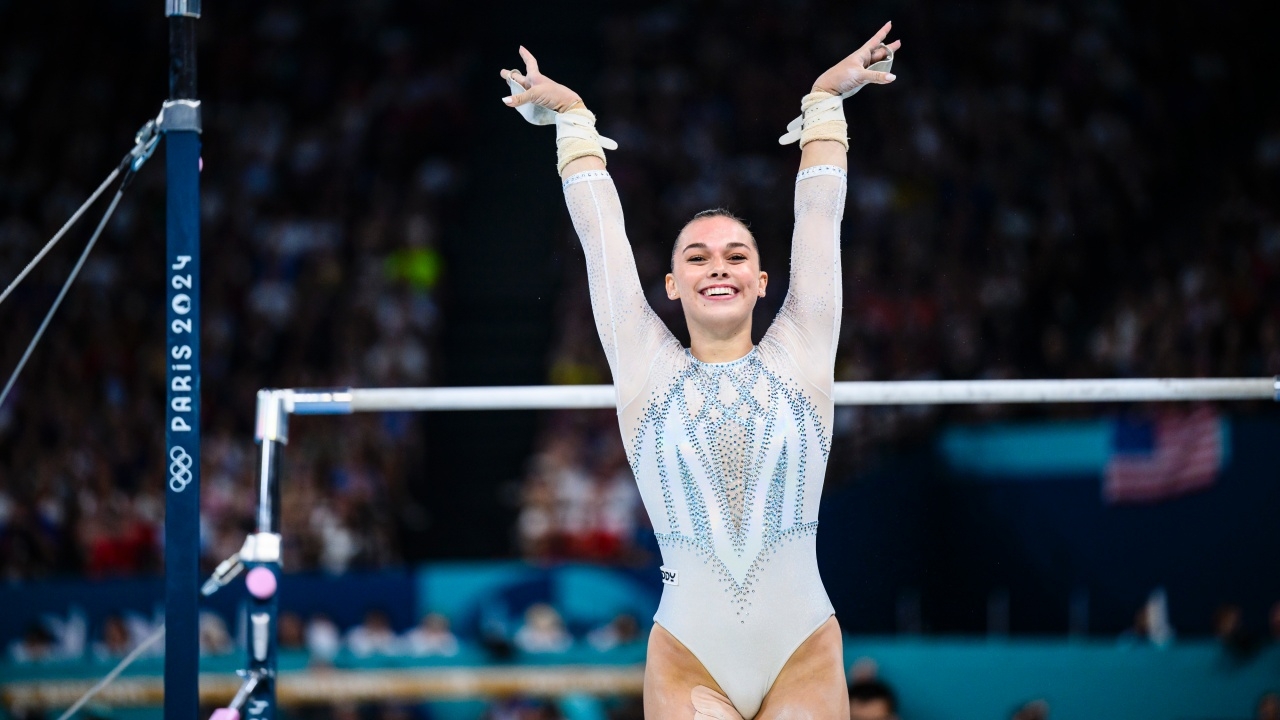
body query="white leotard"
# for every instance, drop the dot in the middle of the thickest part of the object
(729, 457)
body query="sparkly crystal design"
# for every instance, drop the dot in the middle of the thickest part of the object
(722, 434)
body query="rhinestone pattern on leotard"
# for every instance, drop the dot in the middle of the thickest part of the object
(740, 429)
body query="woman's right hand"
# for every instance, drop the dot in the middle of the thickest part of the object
(539, 89)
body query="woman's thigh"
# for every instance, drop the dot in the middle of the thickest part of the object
(671, 673)
(812, 683)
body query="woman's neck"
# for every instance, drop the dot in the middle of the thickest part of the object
(712, 349)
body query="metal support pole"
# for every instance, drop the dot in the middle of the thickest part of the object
(180, 122)
(261, 556)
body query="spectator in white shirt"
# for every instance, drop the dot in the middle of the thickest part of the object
(432, 636)
(543, 631)
(373, 637)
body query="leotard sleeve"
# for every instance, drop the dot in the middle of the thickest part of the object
(808, 325)
(632, 334)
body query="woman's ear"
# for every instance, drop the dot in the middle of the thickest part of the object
(764, 282)
(672, 293)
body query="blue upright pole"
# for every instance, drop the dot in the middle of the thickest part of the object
(180, 122)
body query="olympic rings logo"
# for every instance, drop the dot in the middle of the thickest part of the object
(180, 475)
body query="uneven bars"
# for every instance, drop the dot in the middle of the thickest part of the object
(910, 392)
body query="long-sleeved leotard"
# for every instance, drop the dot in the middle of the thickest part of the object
(729, 457)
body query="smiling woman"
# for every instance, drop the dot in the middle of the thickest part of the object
(728, 441)
(715, 272)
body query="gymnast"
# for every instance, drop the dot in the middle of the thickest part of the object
(728, 441)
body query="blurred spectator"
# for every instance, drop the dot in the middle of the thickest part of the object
(1268, 707)
(864, 668)
(1139, 632)
(373, 637)
(214, 637)
(324, 640)
(35, 645)
(432, 636)
(872, 699)
(1034, 710)
(291, 633)
(117, 639)
(1229, 629)
(1151, 622)
(543, 631)
(622, 630)
(579, 499)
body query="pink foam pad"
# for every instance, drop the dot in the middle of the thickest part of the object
(225, 714)
(262, 585)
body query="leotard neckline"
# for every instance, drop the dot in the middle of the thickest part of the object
(726, 363)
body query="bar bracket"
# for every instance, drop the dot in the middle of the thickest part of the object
(180, 116)
(182, 8)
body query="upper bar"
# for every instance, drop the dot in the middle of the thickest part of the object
(913, 392)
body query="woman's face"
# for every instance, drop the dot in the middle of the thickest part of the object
(716, 275)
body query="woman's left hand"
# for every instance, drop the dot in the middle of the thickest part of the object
(852, 72)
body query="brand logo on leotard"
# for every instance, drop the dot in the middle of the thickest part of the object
(669, 576)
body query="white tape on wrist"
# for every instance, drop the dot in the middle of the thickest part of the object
(581, 126)
(831, 109)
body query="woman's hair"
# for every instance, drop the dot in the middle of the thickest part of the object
(711, 213)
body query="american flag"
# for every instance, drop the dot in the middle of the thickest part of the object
(1178, 452)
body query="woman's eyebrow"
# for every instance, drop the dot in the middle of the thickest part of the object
(703, 246)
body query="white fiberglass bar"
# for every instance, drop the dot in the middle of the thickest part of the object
(957, 392)
(924, 392)
(531, 397)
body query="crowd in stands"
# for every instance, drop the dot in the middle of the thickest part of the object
(1036, 196)
(325, 191)
(540, 631)
(580, 500)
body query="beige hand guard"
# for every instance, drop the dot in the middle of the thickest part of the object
(576, 134)
(822, 114)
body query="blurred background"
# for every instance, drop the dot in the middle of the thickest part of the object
(1049, 190)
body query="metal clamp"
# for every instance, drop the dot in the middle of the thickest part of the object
(144, 144)
(182, 8)
(261, 547)
(273, 416)
(225, 573)
(179, 115)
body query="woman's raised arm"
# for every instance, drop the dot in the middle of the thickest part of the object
(630, 331)
(809, 322)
